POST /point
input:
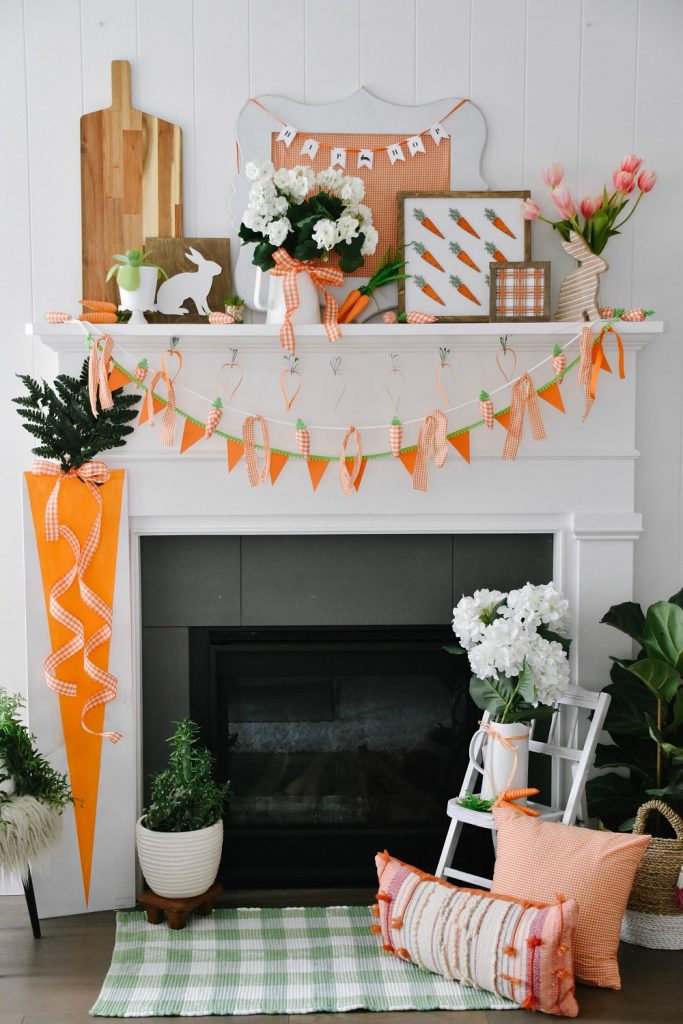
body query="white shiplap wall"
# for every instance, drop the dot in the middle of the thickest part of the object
(577, 81)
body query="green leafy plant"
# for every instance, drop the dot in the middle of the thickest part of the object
(61, 418)
(645, 717)
(234, 300)
(21, 762)
(475, 803)
(185, 796)
(127, 270)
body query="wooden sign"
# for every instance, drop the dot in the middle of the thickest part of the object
(199, 278)
(131, 182)
(578, 298)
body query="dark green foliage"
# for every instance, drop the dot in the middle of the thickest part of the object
(31, 773)
(185, 796)
(60, 418)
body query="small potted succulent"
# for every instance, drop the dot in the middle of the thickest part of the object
(180, 835)
(137, 280)
(234, 305)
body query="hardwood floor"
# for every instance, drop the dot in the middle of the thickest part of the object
(56, 979)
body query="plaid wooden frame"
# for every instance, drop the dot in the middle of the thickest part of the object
(519, 292)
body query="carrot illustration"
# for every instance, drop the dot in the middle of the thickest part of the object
(463, 256)
(98, 305)
(498, 223)
(427, 289)
(461, 222)
(495, 252)
(463, 289)
(426, 255)
(427, 223)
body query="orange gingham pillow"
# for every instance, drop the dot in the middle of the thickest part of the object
(537, 860)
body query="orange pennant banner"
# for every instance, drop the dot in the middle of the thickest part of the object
(192, 432)
(235, 453)
(408, 459)
(553, 396)
(461, 443)
(316, 470)
(158, 404)
(277, 463)
(118, 379)
(361, 471)
(503, 418)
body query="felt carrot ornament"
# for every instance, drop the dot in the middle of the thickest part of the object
(357, 300)
(427, 256)
(426, 223)
(559, 361)
(141, 370)
(493, 251)
(214, 417)
(303, 438)
(221, 318)
(99, 318)
(463, 289)
(98, 306)
(427, 289)
(462, 223)
(486, 409)
(608, 312)
(495, 220)
(53, 317)
(635, 316)
(463, 256)
(396, 437)
(519, 794)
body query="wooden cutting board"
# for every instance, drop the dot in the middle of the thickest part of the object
(131, 183)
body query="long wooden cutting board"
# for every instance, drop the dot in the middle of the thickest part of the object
(131, 183)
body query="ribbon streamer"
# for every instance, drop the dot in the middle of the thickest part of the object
(256, 476)
(523, 397)
(98, 372)
(585, 366)
(507, 742)
(168, 421)
(91, 474)
(347, 479)
(431, 440)
(600, 360)
(288, 268)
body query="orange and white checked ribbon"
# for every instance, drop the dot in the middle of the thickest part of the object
(346, 479)
(288, 268)
(523, 397)
(98, 373)
(509, 743)
(586, 365)
(168, 421)
(91, 474)
(431, 440)
(256, 476)
(600, 359)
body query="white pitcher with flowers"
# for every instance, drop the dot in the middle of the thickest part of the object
(518, 648)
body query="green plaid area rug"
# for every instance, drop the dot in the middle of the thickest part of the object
(296, 960)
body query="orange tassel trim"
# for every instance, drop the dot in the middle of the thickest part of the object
(389, 948)
(397, 922)
(530, 1003)
(375, 910)
(375, 929)
(510, 951)
(384, 896)
(404, 953)
(534, 941)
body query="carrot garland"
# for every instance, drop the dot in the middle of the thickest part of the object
(559, 361)
(427, 256)
(424, 220)
(463, 289)
(303, 438)
(463, 256)
(214, 417)
(486, 409)
(396, 436)
(389, 270)
(462, 223)
(495, 220)
(428, 290)
(493, 251)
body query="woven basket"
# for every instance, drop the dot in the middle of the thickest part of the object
(653, 917)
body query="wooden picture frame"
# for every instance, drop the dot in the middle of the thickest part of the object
(530, 291)
(170, 255)
(437, 263)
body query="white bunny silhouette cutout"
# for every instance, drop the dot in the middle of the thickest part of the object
(188, 285)
(579, 290)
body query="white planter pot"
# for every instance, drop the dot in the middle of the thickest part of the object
(179, 864)
(499, 759)
(143, 296)
(308, 310)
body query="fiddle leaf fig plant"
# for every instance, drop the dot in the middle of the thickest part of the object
(645, 717)
(127, 269)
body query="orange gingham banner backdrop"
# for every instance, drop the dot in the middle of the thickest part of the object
(429, 171)
(520, 291)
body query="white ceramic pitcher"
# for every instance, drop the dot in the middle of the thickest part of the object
(308, 310)
(499, 760)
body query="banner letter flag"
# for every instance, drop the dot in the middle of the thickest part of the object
(365, 158)
(192, 432)
(395, 153)
(310, 148)
(316, 470)
(235, 451)
(287, 135)
(415, 145)
(76, 513)
(438, 132)
(338, 156)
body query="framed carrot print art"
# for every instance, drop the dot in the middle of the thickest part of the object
(450, 239)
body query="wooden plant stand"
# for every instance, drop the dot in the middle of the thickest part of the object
(177, 910)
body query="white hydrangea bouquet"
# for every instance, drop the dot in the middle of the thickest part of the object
(518, 649)
(308, 216)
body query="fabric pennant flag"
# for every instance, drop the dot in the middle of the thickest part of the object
(192, 432)
(158, 404)
(461, 443)
(365, 158)
(503, 418)
(309, 148)
(415, 145)
(338, 156)
(235, 452)
(316, 470)
(118, 379)
(408, 459)
(438, 132)
(395, 153)
(361, 471)
(553, 396)
(287, 135)
(277, 463)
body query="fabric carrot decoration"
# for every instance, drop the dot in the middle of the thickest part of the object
(608, 312)
(53, 317)
(141, 370)
(495, 220)
(462, 223)
(519, 794)
(493, 251)
(427, 289)
(303, 439)
(463, 256)
(635, 316)
(389, 270)
(427, 256)
(396, 436)
(221, 318)
(486, 409)
(214, 417)
(348, 303)
(420, 216)
(99, 318)
(463, 289)
(559, 361)
(98, 305)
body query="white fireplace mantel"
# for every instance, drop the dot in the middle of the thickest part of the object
(578, 484)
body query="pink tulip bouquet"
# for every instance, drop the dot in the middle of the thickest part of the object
(600, 213)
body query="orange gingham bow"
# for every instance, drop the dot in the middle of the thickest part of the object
(91, 474)
(288, 268)
(431, 441)
(256, 476)
(168, 421)
(98, 373)
(346, 479)
(523, 397)
(600, 359)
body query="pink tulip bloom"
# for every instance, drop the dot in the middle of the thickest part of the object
(530, 209)
(561, 196)
(631, 163)
(646, 181)
(589, 205)
(624, 182)
(553, 175)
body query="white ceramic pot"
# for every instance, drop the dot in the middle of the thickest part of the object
(273, 304)
(179, 864)
(504, 767)
(143, 296)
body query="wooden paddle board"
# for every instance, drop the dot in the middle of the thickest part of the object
(131, 183)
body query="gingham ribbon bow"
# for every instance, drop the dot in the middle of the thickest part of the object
(346, 479)
(98, 373)
(288, 268)
(600, 359)
(523, 397)
(585, 365)
(91, 474)
(168, 421)
(431, 440)
(256, 476)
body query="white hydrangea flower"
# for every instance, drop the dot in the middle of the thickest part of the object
(371, 239)
(347, 228)
(550, 666)
(537, 605)
(281, 178)
(329, 178)
(325, 234)
(502, 649)
(255, 220)
(470, 615)
(278, 230)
